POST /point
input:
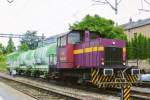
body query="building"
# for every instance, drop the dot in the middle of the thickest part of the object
(49, 40)
(140, 26)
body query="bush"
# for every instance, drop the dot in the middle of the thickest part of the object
(3, 66)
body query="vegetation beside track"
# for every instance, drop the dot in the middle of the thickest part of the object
(3, 66)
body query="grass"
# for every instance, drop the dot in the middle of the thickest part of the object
(3, 67)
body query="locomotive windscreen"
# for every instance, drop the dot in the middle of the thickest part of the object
(113, 56)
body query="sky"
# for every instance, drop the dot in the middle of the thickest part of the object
(51, 17)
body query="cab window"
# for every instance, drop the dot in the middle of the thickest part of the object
(58, 41)
(73, 38)
(63, 40)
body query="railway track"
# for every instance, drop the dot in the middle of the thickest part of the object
(66, 92)
(141, 92)
(35, 92)
(77, 92)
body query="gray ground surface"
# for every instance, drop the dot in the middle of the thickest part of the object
(63, 90)
(8, 93)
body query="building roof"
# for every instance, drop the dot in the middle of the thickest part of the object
(139, 23)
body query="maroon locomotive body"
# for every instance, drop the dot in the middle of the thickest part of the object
(83, 52)
(84, 56)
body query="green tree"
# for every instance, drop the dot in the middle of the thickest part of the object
(129, 50)
(1, 49)
(30, 39)
(2, 58)
(10, 47)
(138, 47)
(148, 48)
(23, 47)
(141, 46)
(104, 27)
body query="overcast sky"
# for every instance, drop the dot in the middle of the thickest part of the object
(54, 16)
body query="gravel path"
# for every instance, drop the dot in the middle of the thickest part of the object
(9, 93)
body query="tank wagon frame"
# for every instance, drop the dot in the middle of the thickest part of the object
(82, 57)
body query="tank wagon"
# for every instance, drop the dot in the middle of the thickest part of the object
(83, 57)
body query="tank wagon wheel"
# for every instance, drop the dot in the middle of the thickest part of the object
(19, 71)
(28, 72)
(36, 73)
(46, 75)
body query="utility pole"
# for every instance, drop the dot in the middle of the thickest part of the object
(114, 7)
(10, 1)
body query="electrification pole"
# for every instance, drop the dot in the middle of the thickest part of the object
(10, 1)
(116, 7)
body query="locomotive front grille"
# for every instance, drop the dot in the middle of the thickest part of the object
(113, 56)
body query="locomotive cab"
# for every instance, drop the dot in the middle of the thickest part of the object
(65, 47)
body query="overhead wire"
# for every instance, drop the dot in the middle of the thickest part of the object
(142, 3)
(10, 1)
(100, 2)
(142, 7)
(119, 2)
(81, 10)
(147, 2)
(97, 2)
(114, 7)
(110, 5)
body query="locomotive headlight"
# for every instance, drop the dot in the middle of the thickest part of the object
(124, 63)
(113, 43)
(102, 63)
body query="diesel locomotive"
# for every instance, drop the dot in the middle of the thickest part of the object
(78, 56)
